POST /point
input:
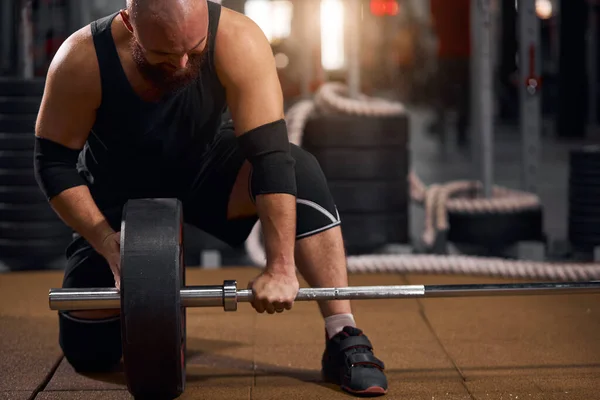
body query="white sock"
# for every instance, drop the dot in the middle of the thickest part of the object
(334, 324)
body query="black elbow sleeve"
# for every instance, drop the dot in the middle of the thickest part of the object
(267, 148)
(55, 167)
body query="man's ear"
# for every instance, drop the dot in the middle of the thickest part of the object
(126, 21)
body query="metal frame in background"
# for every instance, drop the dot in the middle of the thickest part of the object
(530, 60)
(482, 109)
(482, 106)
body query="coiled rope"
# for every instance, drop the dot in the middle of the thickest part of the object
(437, 200)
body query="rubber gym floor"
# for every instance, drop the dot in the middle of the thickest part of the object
(528, 347)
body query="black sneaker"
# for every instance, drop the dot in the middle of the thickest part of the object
(348, 361)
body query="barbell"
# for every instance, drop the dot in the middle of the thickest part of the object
(228, 296)
(153, 297)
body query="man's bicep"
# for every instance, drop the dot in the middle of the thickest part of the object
(249, 74)
(256, 102)
(68, 108)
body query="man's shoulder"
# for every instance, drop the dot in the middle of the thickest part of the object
(235, 27)
(77, 51)
(75, 64)
(240, 45)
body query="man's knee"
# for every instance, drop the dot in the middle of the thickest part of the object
(90, 345)
(316, 210)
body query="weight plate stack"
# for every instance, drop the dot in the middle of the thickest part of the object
(584, 198)
(32, 236)
(366, 162)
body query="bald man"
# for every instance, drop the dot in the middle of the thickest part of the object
(181, 99)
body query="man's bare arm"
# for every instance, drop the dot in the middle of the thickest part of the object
(66, 115)
(247, 70)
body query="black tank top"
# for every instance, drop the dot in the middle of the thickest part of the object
(134, 146)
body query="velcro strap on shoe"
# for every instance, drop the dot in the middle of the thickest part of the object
(365, 359)
(355, 341)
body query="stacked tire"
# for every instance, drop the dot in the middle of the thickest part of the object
(32, 236)
(584, 199)
(366, 162)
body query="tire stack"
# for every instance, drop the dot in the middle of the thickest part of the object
(491, 234)
(584, 199)
(32, 236)
(366, 163)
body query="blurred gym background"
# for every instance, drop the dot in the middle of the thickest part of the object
(417, 52)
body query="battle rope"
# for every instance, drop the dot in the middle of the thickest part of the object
(437, 199)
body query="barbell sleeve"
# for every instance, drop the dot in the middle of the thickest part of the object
(228, 296)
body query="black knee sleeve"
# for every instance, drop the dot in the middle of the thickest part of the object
(90, 345)
(315, 208)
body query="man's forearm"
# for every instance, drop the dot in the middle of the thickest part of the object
(277, 213)
(77, 209)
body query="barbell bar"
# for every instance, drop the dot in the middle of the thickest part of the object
(228, 296)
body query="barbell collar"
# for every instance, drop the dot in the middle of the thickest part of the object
(227, 296)
(230, 299)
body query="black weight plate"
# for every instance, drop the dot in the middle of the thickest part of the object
(343, 130)
(151, 312)
(585, 181)
(575, 170)
(27, 212)
(23, 123)
(17, 177)
(495, 230)
(16, 159)
(20, 105)
(583, 210)
(372, 230)
(583, 230)
(583, 195)
(586, 221)
(370, 196)
(368, 163)
(583, 240)
(584, 164)
(17, 141)
(21, 195)
(21, 87)
(34, 230)
(576, 203)
(583, 203)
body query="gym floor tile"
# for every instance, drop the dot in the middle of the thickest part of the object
(15, 395)
(560, 382)
(277, 388)
(217, 393)
(287, 359)
(29, 351)
(222, 366)
(533, 347)
(289, 327)
(198, 377)
(426, 385)
(28, 331)
(85, 395)
(66, 378)
(233, 328)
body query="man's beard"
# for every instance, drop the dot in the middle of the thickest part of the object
(163, 77)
